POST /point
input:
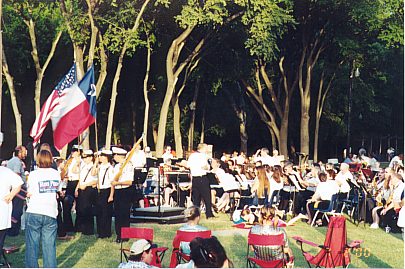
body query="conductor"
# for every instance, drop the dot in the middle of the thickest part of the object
(198, 164)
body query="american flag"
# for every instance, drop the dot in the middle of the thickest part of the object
(51, 104)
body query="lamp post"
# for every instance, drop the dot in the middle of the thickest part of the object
(353, 73)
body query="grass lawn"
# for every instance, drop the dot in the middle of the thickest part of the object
(379, 250)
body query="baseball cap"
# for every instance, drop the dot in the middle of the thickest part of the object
(140, 246)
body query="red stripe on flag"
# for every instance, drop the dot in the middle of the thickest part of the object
(72, 125)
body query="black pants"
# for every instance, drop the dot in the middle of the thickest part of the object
(104, 214)
(61, 228)
(201, 190)
(67, 206)
(285, 198)
(2, 238)
(302, 198)
(18, 205)
(86, 201)
(122, 207)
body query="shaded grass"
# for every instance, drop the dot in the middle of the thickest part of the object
(379, 250)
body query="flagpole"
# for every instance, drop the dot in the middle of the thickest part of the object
(96, 133)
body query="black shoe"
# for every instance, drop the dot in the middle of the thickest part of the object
(118, 240)
(125, 240)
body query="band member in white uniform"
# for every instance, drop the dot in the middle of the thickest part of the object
(86, 193)
(198, 164)
(122, 193)
(105, 194)
(138, 161)
(73, 172)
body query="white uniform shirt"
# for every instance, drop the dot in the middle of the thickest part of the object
(43, 184)
(396, 197)
(71, 175)
(325, 190)
(341, 180)
(198, 164)
(274, 185)
(8, 180)
(138, 159)
(85, 173)
(105, 176)
(226, 181)
(314, 181)
(127, 174)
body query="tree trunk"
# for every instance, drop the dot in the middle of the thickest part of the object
(171, 61)
(283, 145)
(13, 96)
(145, 94)
(304, 131)
(177, 128)
(193, 108)
(242, 131)
(133, 125)
(113, 99)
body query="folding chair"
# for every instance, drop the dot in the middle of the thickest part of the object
(8, 250)
(264, 245)
(335, 250)
(331, 210)
(184, 236)
(142, 233)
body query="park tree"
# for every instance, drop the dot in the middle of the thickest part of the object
(198, 18)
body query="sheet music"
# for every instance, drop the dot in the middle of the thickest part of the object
(293, 179)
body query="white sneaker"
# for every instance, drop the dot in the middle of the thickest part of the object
(374, 226)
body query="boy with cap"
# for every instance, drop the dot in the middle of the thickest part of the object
(141, 255)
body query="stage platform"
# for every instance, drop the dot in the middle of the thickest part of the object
(162, 215)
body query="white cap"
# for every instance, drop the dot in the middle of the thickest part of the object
(106, 152)
(140, 246)
(77, 147)
(88, 152)
(119, 151)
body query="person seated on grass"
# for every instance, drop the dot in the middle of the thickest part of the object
(141, 255)
(207, 253)
(193, 216)
(249, 216)
(269, 224)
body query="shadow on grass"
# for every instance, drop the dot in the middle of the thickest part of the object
(75, 250)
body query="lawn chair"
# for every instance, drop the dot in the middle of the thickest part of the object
(331, 210)
(8, 250)
(184, 236)
(141, 233)
(265, 242)
(335, 250)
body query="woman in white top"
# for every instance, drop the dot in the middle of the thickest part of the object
(10, 185)
(323, 194)
(42, 210)
(105, 195)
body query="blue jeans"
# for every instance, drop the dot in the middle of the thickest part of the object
(40, 227)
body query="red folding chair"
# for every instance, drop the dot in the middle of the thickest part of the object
(335, 250)
(141, 233)
(264, 245)
(184, 236)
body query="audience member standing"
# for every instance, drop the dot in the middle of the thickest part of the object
(42, 211)
(198, 164)
(17, 165)
(10, 185)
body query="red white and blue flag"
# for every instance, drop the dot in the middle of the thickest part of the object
(71, 107)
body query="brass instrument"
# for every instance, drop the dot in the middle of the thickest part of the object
(64, 171)
(128, 158)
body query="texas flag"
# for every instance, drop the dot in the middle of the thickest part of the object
(76, 110)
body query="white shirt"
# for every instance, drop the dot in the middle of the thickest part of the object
(226, 181)
(398, 189)
(138, 159)
(85, 173)
(127, 174)
(395, 159)
(105, 176)
(314, 181)
(71, 175)
(8, 180)
(198, 164)
(266, 160)
(341, 180)
(274, 185)
(166, 156)
(325, 190)
(43, 184)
